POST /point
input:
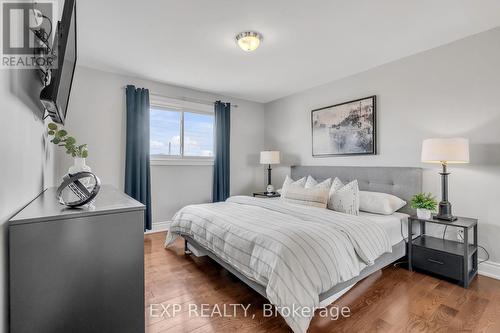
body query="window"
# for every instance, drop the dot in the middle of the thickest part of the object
(180, 133)
(198, 134)
(165, 132)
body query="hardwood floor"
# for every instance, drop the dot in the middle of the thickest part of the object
(393, 300)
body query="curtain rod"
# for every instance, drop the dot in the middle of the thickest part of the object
(186, 99)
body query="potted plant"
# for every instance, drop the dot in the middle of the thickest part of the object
(425, 204)
(78, 152)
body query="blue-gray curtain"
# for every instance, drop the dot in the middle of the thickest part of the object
(137, 174)
(221, 162)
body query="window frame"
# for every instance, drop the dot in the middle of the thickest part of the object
(181, 106)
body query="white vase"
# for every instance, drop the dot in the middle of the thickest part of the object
(424, 214)
(79, 166)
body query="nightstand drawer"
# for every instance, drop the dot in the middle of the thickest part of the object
(441, 263)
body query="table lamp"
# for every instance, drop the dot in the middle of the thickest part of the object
(445, 151)
(269, 157)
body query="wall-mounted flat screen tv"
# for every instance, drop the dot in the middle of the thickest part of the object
(55, 96)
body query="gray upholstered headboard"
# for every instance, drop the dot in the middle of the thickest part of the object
(402, 182)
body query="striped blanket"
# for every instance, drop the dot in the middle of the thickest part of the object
(296, 252)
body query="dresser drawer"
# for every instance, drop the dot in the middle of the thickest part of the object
(442, 263)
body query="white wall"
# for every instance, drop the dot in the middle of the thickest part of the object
(449, 91)
(26, 167)
(97, 117)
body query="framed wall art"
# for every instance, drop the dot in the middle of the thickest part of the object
(345, 129)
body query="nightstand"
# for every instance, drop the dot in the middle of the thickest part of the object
(448, 258)
(266, 195)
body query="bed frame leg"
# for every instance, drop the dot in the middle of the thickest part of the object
(186, 250)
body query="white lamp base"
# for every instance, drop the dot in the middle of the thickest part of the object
(270, 188)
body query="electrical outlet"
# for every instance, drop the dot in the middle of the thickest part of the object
(460, 234)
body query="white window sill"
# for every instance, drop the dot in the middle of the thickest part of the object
(181, 161)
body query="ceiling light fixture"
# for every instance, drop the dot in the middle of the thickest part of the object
(248, 40)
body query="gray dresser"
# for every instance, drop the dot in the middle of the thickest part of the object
(77, 270)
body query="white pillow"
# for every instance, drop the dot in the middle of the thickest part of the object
(311, 182)
(297, 194)
(289, 181)
(379, 203)
(344, 198)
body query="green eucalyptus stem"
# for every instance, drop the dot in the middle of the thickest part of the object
(61, 139)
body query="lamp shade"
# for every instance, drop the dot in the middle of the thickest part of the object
(449, 150)
(269, 157)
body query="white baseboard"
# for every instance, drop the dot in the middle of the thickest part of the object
(490, 269)
(159, 227)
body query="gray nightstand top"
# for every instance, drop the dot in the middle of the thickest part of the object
(266, 195)
(461, 222)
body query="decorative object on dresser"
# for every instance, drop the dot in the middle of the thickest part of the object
(454, 260)
(445, 151)
(77, 270)
(80, 186)
(269, 157)
(425, 204)
(73, 193)
(345, 129)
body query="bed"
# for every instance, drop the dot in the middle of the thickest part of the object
(301, 255)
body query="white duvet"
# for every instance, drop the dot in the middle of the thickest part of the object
(296, 252)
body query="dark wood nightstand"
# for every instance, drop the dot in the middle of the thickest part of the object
(266, 195)
(448, 258)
